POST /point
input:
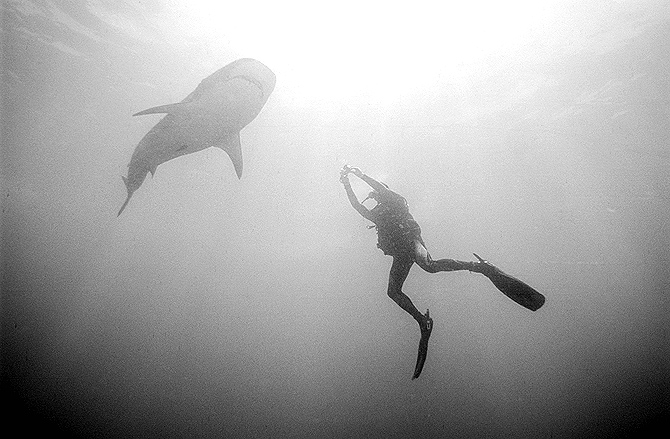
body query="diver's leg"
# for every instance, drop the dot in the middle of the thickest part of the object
(397, 276)
(423, 260)
(399, 272)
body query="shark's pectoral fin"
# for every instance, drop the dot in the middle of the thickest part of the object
(233, 148)
(169, 108)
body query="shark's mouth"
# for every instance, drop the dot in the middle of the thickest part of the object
(253, 81)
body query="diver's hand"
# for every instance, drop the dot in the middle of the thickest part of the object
(357, 172)
(344, 177)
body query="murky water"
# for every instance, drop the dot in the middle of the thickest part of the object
(535, 136)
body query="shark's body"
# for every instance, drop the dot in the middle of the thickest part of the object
(212, 115)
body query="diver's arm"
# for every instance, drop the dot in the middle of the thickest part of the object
(374, 184)
(364, 211)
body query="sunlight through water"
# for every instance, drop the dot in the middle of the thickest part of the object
(383, 51)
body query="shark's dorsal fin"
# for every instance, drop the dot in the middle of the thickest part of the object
(169, 108)
(233, 148)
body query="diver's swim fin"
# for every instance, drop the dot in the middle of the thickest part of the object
(423, 345)
(518, 291)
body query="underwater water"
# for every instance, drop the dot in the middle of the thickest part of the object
(256, 307)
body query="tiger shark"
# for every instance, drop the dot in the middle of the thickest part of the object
(212, 115)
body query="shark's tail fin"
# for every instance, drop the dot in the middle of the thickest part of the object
(130, 194)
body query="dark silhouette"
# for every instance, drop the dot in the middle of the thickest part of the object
(211, 115)
(399, 235)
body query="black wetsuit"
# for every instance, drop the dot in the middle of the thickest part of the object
(399, 236)
(396, 228)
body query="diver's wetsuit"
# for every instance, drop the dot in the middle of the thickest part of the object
(399, 236)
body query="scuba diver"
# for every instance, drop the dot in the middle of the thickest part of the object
(399, 236)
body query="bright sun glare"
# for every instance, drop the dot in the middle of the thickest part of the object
(338, 49)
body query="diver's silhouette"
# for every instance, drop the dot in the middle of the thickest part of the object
(399, 236)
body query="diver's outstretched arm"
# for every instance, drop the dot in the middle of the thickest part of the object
(374, 184)
(364, 211)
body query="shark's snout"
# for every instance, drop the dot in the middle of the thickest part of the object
(211, 115)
